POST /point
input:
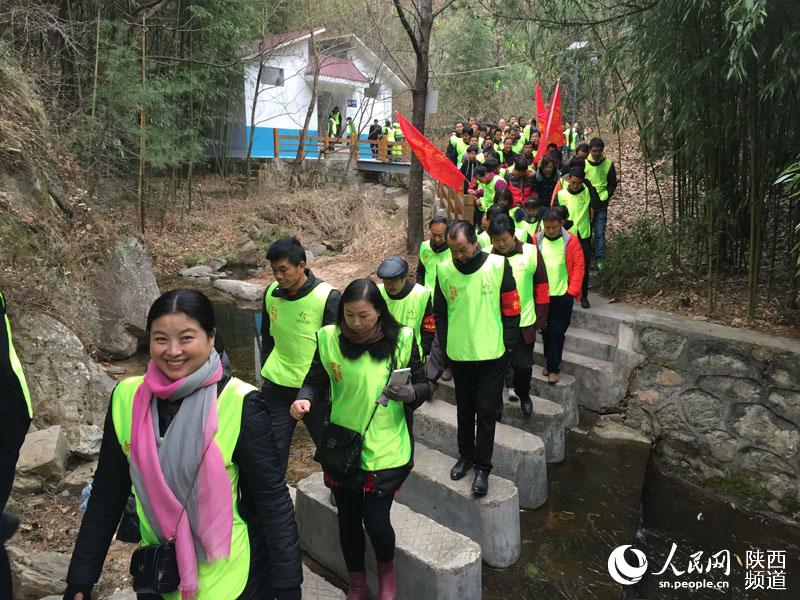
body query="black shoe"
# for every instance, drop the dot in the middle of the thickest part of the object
(481, 483)
(461, 468)
(585, 302)
(9, 523)
(527, 406)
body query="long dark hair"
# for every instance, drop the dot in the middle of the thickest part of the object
(366, 289)
(192, 303)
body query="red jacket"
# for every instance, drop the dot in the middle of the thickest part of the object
(574, 260)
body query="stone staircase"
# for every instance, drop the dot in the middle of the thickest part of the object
(444, 534)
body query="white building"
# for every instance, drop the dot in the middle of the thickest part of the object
(350, 76)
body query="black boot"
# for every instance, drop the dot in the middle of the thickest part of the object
(481, 483)
(460, 469)
(527, 406)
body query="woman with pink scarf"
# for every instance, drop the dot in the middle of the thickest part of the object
(196, 446)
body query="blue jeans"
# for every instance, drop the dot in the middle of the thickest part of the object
(599, 232)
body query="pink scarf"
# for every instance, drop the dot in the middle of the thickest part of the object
(208, 486)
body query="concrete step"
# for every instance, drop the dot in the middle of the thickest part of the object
(601, 317)
(492, 521)
(318, 588)
(591, 343)
(518, 455)
(432, 562)
(598, 385)
(547, 420)
(562, 393)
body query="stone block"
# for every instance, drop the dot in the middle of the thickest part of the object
(198, 271)
(518, 455)
(759, 425)
(77, 479)
(247, 255)
(37, 574)
(492, 521)
(661, 346)
(245, 290)
(91, 436)
(786, 404)
(432, 562)
(702, 410)
(316, 587)
(562, 393)
(216, 264)
(44, 454)
(547, 420)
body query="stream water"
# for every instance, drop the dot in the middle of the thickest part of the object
(604, 495)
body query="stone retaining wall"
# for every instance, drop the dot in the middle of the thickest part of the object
(722, 405)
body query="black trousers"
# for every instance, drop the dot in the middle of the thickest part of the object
(479, 403)
(278, 399)
(558, 319)
(358, 512)
(12, 435)
(586, 246)
(520, 371)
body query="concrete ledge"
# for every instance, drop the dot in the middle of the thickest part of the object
(432, 561)
(547, 420)
(518, 455)
(492, 521)
(591, 343)
(562, 393)
(318, 588)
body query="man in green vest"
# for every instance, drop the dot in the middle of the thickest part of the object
(409, 302)
(15, 418)
(431, 253)
(580, 199)
(295, 306)
(570, 139)
(601, 173)
(350, 129)
(488, 183)
(476, 287)
(564, 261)
(530, 275)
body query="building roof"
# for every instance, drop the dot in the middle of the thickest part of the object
(338, 68)
(280, 40)
(382, 71)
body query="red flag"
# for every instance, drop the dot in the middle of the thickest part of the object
(551, 130)
(433, 160)
(541, 111)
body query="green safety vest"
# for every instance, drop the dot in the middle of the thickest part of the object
(224, 578)
(526, 132)
(351, 129)
(16, 366)
(578, 206)
(397, 136)
(429, 260)
(598, 177)
(293, 325)
(554, 253)
(488, 193)
(461, 147)
(355, 386)
(484, 240)
(472, 299)
(390, 134)
(409, 311)
(524, 265)
(518, 146)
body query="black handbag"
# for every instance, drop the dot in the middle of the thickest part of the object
(155, 569)
(339, 449)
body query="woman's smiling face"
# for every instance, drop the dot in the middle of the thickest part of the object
(179, 345)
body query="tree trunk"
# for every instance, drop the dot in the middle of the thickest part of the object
(297, 167)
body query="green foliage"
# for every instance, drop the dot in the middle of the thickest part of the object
(637, 258)
(790, 180)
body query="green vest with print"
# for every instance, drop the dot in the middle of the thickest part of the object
(524, 264)
(16, 366)
(293, 325)
(224, 578)
(578, 206)
(488, 193)
(355, 386)
(472, 299)
(409, 311)
(429, 260)
(598, 177)
(554, 253)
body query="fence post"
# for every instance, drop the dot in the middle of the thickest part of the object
(383, 144)
(469, 207)
(354, 145)
(276, 143)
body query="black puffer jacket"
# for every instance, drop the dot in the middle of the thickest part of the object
(264, 503)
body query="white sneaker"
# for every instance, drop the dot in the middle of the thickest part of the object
(511, 395)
